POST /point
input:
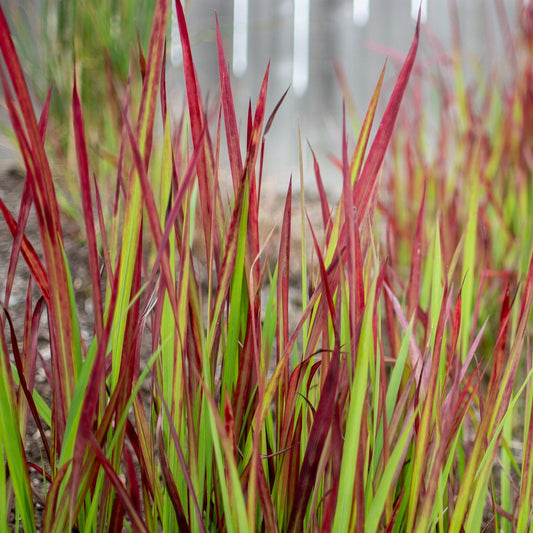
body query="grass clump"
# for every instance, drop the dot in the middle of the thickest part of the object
(392, 401)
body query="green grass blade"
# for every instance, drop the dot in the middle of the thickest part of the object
(13, 450)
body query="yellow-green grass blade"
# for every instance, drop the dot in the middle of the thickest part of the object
(484, 471)
(236, 518)
(429, 396)
(13, 450)
(31, 143)
(364, 135)
(470, 259)
(390, 471)
(507, 460)
(397, 373)
(43, 408)
(303, 251)
(4, 500)
(171, 373)
(238, 309)
(470, 499)
(525, 510)
(133, 209)
(347, 511)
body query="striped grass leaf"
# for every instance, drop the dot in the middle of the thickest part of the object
(13, 450)
(377, 503)
(350, 510)
(28, 251)
(367, 182)
(429, 403)
(470, 259)
(356, 162)
(31, 142)
(133, 208)
(315, 445)
(233, 501)
(524, 506)
(469, 511)
(303, 247)
(87, 203)
(208, 188)
(20, 242)
(362, 425)
(324, 204)
(23, 369)
(230, 119)
(354, 260)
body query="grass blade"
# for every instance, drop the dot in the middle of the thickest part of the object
(368, 180)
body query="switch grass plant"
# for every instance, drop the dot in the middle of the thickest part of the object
(397, 399)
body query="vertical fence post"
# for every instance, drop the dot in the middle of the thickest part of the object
(240, 37)
(176, 53)
(300, 58)
(423, 6)
(361, 12)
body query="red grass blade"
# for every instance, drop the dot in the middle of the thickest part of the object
(255, 127)
(183, 463)
(24, 212)
(28, 252)
(324, 204)
(121, 491)
(501, 341)
(416, 260)
(248, 375)
(147, 112)
(360, 149)
(230, 120)
(142, 59)
(170, 485)
(234, 152)
(87, 205)
(321, 426)
(254, 137)
(283, 275)
(330, 504)
(196, 112)
(272, 115)
(40, 177)
(291, 393)
(368, 180)
(325, 283)
(267, 507)
(17, 229)
(228, 261)
(152, 213)
(26, 388)
(353, 247)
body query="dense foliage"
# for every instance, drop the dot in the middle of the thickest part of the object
(397, 399)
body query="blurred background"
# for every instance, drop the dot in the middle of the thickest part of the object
(303, 39)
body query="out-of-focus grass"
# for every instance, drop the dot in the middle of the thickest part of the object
(102, 40)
